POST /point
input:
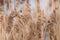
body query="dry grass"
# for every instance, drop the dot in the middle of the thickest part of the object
(23, 27)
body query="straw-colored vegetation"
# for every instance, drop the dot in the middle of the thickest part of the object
(17, 26)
